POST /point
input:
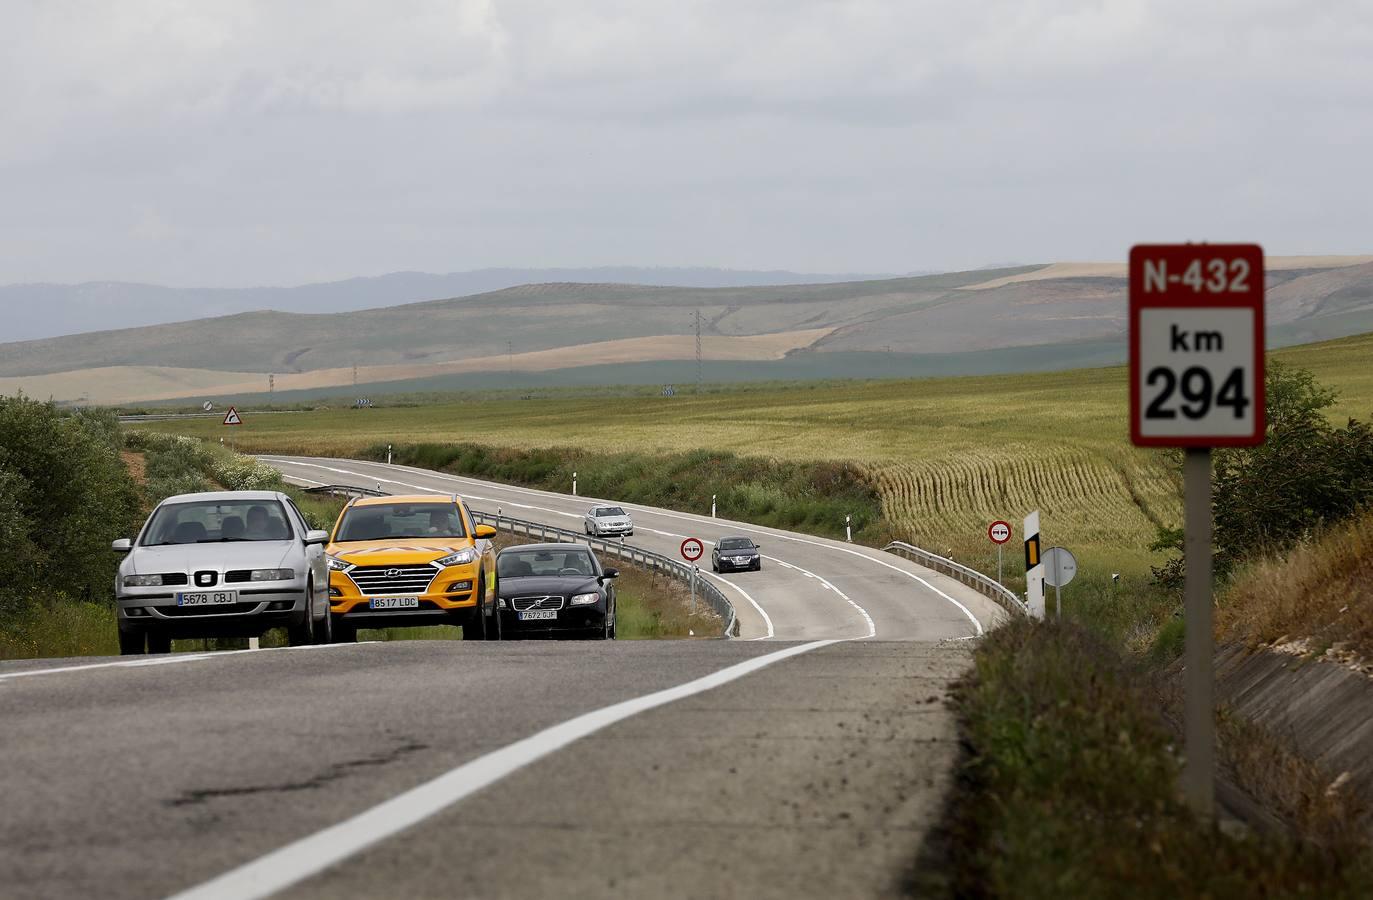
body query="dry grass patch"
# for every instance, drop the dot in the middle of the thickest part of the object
(1320, 593)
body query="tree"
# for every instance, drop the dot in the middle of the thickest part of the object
(1306, 475)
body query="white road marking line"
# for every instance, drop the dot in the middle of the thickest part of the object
(122, 664)
(170, 659)
(311, 855)
(872, 626)
(745, 594)
(702, 520)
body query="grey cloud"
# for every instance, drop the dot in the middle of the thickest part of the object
(235, 142)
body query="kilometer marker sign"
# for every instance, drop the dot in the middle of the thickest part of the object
(1196, 382)
(1196, 345)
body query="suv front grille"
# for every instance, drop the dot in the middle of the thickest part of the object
(523, 603)
(376, 581)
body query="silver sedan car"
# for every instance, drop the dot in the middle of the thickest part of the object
(607, 520)
(222, 564)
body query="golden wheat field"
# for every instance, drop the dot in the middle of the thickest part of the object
(948, 455)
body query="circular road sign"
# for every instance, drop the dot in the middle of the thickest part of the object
(999, 532)
(1060, 567)
(207, 406)
(692, 549)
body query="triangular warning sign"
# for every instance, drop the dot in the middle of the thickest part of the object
(231, 417)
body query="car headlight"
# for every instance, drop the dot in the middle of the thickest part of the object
(461, 558)
(585, 599)
(273, 574)
(338, 565)
(142, 580)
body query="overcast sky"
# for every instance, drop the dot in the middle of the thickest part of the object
(242, 142)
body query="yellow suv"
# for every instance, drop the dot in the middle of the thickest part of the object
(414, 560)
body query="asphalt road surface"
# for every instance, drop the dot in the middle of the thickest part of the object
(812, 764)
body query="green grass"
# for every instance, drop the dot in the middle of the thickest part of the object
(943, 456)
(1068, 789)
(59, 627)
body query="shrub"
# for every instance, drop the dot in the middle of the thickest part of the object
(67, 495)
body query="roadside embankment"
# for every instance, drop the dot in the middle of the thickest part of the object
(1068, 789)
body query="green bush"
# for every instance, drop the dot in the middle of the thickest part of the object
(1307, 475)
(813, 497)
(66, 495)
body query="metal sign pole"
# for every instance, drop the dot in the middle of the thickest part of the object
(694, 570)
(1058, 602)
(1198, 714)
(999, 579)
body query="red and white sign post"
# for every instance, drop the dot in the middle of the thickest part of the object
(1000, 533)
(692, 548)
(1196, 382)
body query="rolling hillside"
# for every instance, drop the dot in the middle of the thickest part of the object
(1042, 316)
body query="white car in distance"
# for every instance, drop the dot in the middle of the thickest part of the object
(607, 521)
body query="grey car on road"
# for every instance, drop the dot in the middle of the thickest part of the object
(222, 564)
(602, 521)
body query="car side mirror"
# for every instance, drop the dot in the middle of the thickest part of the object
(610, 573)
(123, 545)
(484, 531)
(316, 537)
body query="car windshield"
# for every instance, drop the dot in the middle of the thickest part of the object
(609, 511)
(216, 521)
(516, 563)
(736, 544)
(388, 521)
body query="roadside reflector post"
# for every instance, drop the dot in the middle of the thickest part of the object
(574, 484)
(1197, 382)
(848, 529)
(253, 643)
(1034, 567)
(388, 454)
(712, 506)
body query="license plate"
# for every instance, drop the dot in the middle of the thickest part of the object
(209, 598)
(536, 614)
(395, 603)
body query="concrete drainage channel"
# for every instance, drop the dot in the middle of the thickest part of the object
(627, 552)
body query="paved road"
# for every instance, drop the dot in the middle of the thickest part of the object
(811, 588)
(432, 769)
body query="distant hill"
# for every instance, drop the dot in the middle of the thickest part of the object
(1026, 318)
(51, 310)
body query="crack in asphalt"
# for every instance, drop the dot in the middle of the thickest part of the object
(335, 772)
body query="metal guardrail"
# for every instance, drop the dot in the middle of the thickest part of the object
(974, 579)
(627, 552)
(344, 490)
